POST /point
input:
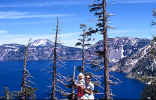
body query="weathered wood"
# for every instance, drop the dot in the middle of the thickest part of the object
(105, 49)
(99, 9)
(25, 73)
(73, 85)
(53, 95)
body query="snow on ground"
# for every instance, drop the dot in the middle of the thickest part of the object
(40, 42)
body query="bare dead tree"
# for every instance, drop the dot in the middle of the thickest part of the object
(25, 73)
(56, 77)
(53, 95)
(73, 85)
(27, 92)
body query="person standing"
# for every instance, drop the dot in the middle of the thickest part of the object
(89, 89)
(80, 84)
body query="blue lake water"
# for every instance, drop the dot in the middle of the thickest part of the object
(11, 76)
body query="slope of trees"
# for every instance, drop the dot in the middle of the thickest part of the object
(149, 92)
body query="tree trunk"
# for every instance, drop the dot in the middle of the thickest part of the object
(73, 85)
(83, 52)
(24, 74)
(106, 59)
(53, 97)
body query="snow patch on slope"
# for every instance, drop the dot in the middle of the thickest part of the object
(122, 52)
(40, 42)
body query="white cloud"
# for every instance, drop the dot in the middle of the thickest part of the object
(21, 15)
(118, 31)
(42, 4)
(68, 39)
(135, 1)
(3, 32)
(130, 33)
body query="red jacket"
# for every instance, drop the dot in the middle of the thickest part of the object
(80, 92)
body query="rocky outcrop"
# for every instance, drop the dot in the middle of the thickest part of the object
(122, 47)
(139, 65)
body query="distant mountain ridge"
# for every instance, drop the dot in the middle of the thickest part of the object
(42, 49)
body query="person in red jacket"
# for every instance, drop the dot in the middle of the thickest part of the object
(80, 86)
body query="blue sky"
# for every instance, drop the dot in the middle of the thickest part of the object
(36, 19)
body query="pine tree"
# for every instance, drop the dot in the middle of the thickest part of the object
(149, 92)
(94, 65)
(83, 43)
(99, 10)
(153, 42)
(154, 17)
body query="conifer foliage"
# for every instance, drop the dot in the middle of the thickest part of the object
(83, 43)
(99, 10)
(154, 17)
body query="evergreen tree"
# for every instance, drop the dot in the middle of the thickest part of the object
(153, 42)
(149, 92)
(83, 43)
(99, 10)
(154, 17)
